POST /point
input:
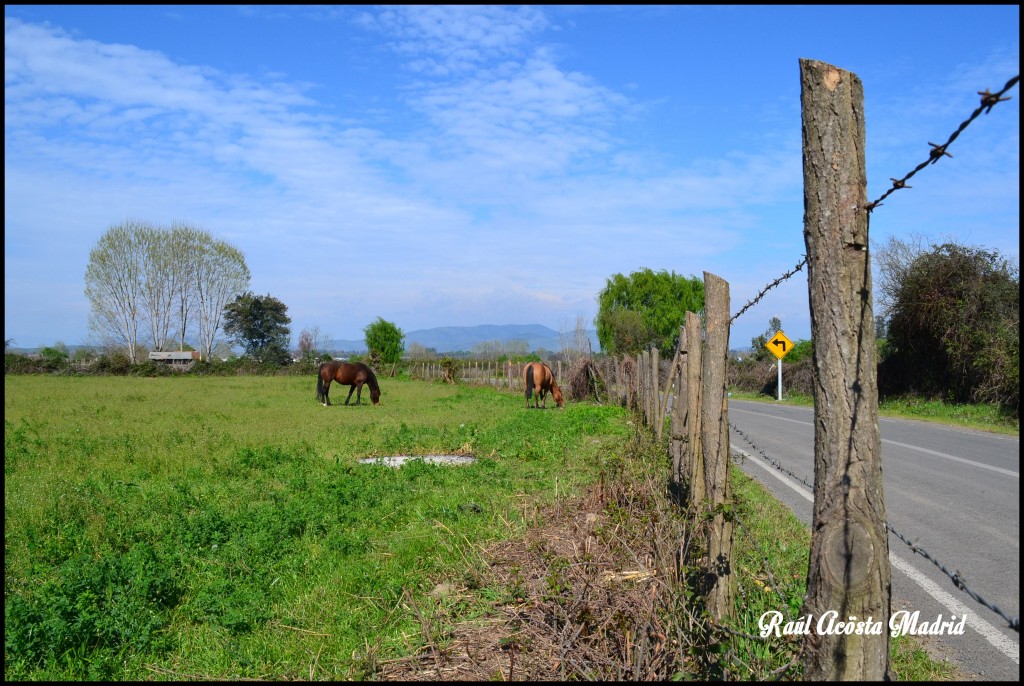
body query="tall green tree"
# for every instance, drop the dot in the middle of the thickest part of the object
(659, 299)
(259, 323)
(385, 342)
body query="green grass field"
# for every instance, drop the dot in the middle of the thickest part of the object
(223, 527)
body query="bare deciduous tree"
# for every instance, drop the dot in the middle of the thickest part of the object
(114, 286)
(220, 276)
(144, 281)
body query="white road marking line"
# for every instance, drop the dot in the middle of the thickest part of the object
(987, 631)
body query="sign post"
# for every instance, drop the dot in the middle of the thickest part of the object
(779, 346)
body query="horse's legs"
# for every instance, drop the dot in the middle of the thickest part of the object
(327, 394)
(359, 394)
(350, 389)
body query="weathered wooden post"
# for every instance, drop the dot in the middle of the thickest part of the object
(641, 384)
(668, 390)
(849, 562)
(715, 443)
(634, 382)
(693, 458)
(657, 418)
(677, 426)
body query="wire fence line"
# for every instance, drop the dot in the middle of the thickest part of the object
(988, 101)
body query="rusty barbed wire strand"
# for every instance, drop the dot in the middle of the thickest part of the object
(988, 101)
(955, 577)
(1013, 623)
(770, 286)
(774, 463)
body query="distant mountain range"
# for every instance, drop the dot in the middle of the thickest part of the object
(448, 339)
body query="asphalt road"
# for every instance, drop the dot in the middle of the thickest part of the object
(953, 492)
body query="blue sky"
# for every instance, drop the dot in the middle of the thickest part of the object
(453, 166)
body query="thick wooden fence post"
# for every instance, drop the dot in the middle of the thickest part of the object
(849, 569)
(693, 458)
(657, 414)
(668, 390)
(641, 384)
(677, 427)
(715, 441)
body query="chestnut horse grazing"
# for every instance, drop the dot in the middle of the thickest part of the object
(539, 376)
(346, 374)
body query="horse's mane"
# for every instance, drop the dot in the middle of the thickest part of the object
(371, 377)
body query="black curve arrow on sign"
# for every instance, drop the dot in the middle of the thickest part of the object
(782, 343)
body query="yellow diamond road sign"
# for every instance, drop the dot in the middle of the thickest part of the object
(779, 345)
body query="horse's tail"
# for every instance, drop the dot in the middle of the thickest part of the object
(320, 384)
(529, 382)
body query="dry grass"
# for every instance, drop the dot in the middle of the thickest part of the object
(593, 592)
(584, 380)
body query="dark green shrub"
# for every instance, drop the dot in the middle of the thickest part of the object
(115, 363)
(954, 328)
(117, 601)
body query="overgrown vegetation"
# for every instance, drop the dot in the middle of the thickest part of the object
(953, 328)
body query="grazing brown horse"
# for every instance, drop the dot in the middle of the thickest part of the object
(347, 374)
(537, 375)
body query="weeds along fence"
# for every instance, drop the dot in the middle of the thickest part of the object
(849, 521)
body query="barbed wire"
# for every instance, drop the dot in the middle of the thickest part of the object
(770, 286)
(955, 577)
(1013, 623)
(988, 101)
(774, 463)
